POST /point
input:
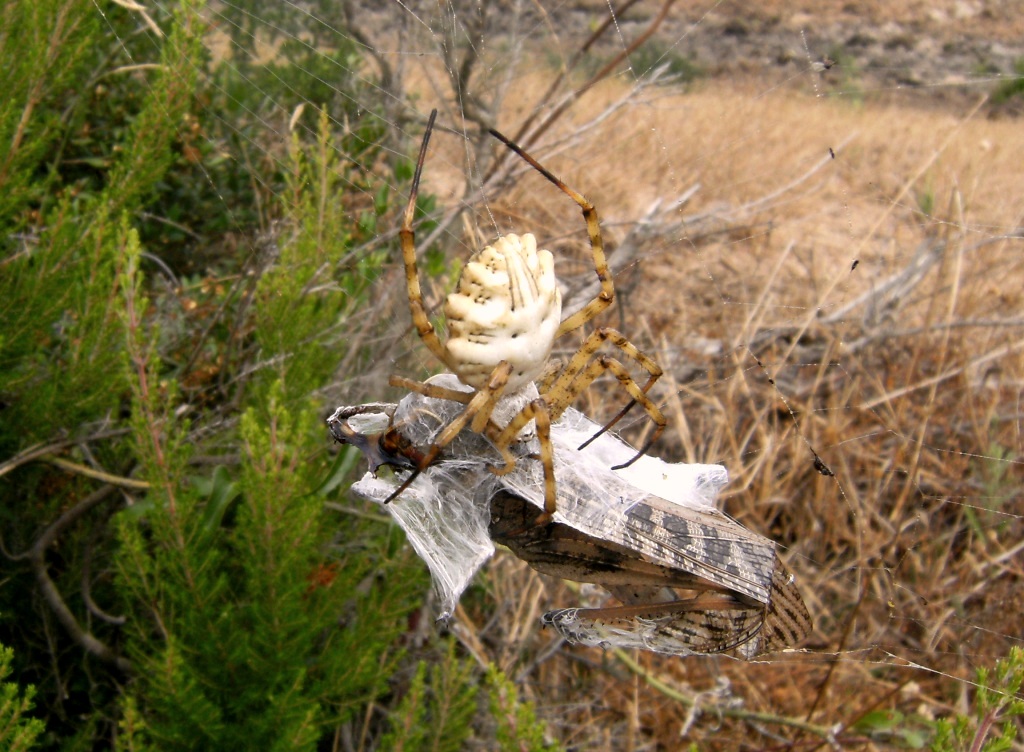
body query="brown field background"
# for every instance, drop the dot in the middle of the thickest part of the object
(765, 298)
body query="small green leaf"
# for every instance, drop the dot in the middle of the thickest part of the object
(404, 170)
(340, 469)
(380, 200)
(879, 720)
(367, 222)
(221, 491)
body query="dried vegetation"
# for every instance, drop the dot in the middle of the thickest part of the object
(863, 309)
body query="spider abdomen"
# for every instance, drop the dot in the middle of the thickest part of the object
(507, 307)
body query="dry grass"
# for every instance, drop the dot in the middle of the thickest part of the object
(774, 346)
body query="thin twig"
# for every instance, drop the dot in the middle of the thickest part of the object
(36, 556)
(114, 480)
(569, 66)
(825, 732)
(526, 140)
(37, 451)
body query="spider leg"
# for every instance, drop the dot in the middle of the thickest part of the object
(431, 390)
(607, 293)
(420, 320)
(539, 412)
(478, 409)
(542, 420)
(495, 390)
(405, 484)
(610, 424)
(563, 392)
(590, 346)
(482, 422)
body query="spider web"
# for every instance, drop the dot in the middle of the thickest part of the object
(814, 222)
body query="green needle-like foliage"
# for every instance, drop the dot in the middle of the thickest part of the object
(158, 599)
(991, 727)
(437, 709)
(17, 732)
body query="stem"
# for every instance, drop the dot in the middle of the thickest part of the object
(983, 728)
(825, 732)
(37, 558)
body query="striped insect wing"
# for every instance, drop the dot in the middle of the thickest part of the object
(692, 627)
(787, 621)
(709, 545)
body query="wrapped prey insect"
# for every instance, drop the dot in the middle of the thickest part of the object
(690, 579)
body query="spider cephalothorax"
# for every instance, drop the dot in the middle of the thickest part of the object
(503, 321)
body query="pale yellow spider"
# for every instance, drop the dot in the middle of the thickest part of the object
(503, 321)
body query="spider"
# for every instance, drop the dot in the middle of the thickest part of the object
(503, 321)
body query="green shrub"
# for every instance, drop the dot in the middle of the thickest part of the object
(1011, 88)
(997, 703)
(17, 732)
(161, 435)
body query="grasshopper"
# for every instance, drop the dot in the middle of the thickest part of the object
(667, 608)
(690, 579)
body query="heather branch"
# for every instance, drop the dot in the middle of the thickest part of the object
(36, 556)
(43, 451)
